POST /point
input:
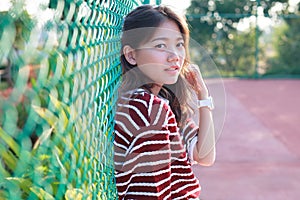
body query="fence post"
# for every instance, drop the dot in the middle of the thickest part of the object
(256, 40)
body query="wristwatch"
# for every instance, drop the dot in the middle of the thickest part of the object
(209, 103)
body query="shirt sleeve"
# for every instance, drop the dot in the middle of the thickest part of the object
(190, 137)
(191, 150)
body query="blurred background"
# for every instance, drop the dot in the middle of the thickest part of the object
(253, 38)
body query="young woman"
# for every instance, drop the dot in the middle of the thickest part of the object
(156, 140)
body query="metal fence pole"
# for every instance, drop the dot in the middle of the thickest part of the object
(256, 40)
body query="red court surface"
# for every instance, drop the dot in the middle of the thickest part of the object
(258, 151)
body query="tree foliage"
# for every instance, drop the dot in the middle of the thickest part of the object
(214, 23)
(286, 42)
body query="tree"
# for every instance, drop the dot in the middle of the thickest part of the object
(214, 25)
(286, 43)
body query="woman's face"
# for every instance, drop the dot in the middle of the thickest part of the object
(162, 56)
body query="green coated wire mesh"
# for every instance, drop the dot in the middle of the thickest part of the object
(59, 70)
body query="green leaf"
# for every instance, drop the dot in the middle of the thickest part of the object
(8, 157)
(59, 122)
(44, 136)
(23, 183)
(42, 194)
(58, 104)
(64, 112)
(3, 172)
(74, 194)
(46, 114)
(10, 142)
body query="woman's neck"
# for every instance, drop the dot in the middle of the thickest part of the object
(155, 89)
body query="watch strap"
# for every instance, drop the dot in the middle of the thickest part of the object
(206, 103)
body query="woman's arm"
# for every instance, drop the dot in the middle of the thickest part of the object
(204, 151)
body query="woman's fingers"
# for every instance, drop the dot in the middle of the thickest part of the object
(194, 77)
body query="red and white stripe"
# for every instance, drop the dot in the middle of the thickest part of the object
(151, 159)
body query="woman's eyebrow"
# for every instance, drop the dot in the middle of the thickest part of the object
(166, 38)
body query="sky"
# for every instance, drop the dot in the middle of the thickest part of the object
(179, 5)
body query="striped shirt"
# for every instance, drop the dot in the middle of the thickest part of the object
(151, 156)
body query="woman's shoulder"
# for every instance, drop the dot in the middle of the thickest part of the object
(143, 98)
(141, 105)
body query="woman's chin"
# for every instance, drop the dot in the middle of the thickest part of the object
(170, 82)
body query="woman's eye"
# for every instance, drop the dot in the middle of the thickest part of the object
(180, 44)
(160, 46)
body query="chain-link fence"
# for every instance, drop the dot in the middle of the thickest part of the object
(59, 67)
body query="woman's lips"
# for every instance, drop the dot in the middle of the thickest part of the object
(173, 69)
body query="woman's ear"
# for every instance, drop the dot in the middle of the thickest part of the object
(129, 54)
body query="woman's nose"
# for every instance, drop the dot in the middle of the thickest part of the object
(173, 55)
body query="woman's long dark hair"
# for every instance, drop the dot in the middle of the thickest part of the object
(139, 25)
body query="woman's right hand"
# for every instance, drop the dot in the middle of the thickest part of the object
(196, 81)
